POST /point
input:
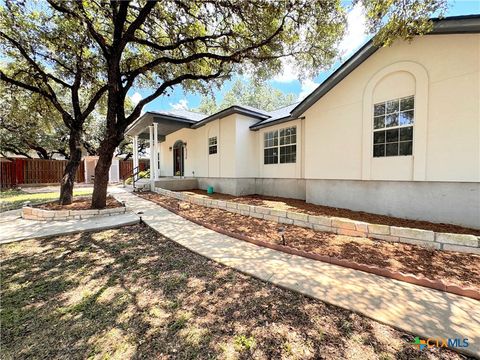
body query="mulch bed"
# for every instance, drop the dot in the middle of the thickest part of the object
(454, 267)
(83, 203)
(303, 207)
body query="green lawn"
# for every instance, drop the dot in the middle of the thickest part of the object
(14, 199)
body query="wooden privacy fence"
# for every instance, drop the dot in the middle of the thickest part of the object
(16, 172)
(126, 167)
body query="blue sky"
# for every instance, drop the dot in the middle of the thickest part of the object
(287, 82)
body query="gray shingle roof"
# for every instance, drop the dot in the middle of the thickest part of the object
(181, 113)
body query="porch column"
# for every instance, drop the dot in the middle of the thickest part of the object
(157, 148)
(152, 159)
(135, 155)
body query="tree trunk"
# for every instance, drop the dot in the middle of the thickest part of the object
(106, 151)
(68, 180)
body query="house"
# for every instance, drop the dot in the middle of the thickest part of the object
(394, 131)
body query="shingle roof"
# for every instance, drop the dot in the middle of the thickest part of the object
(181, 113)
(276, 115)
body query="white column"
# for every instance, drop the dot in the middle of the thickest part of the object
(152, 160)
(155, 141)
(135, 155)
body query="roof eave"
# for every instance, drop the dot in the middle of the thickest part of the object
(261, 125)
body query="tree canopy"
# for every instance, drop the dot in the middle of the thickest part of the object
(260, 95)
(91, 48)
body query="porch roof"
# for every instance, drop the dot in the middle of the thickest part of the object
(168, 122)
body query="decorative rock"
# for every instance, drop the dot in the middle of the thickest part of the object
(270, 217)
(424, 243)
(385, 237)
(417, 234)
(243, 207)
(349, 232)
(379, 229)
(297, 216)
(320, 220)
(280, 213)
(459, 248)
(304, 224)
(262, 210)
(232, 205)
(256, 215)
(457, 239)
(284, 220)
(324, 228)
(343, 224)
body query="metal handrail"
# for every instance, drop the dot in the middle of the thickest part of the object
(135, 173)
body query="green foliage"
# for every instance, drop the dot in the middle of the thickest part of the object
(242, 342)
(141, 175)
(394, 19)
(260, 95)
(29, 124)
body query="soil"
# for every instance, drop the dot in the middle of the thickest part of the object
(130, 293)
(311, 209)
(454, 267)
(80, 204)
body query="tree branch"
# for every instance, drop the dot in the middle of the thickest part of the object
(32, 62)
(168, 83)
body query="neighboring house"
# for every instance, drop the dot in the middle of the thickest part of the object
(394, 131)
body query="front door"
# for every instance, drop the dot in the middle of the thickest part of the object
(178, 159)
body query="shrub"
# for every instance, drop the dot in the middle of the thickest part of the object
(141, 174)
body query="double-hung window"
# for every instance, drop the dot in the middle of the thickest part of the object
(270, 148)
(280, 146)
(212, 145)
(393, 127)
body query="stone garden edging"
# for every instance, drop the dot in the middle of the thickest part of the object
(396, 275)
(34, 213)
(341, 226)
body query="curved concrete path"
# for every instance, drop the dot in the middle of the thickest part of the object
(415, 309)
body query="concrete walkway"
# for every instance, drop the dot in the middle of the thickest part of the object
(415, 309)
(14, 228)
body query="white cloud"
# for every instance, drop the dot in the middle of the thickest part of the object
(356, 33)
(181, 105)
(136, 98)
(289, 72)
(307, 87)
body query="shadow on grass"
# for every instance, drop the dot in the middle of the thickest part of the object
(130, 293)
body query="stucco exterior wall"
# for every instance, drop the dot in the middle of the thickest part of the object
(449, 202)
(442, 71)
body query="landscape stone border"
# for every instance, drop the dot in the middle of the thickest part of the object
(35, 213)
(436, 284)
(342, 226)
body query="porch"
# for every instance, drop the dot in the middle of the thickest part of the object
(153, 127)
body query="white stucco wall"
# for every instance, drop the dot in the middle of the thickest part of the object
(442, 71)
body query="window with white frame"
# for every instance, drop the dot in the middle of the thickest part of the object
(280, 146)
(393, 127)
(212, 145)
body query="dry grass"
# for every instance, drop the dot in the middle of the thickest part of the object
(131, 293)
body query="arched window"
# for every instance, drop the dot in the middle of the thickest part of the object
(395, 110)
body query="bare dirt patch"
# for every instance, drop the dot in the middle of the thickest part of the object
(131, 293)
(455, 267)
(83, 203)
(311, 209)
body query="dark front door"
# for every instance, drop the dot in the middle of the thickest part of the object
(178, 159)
